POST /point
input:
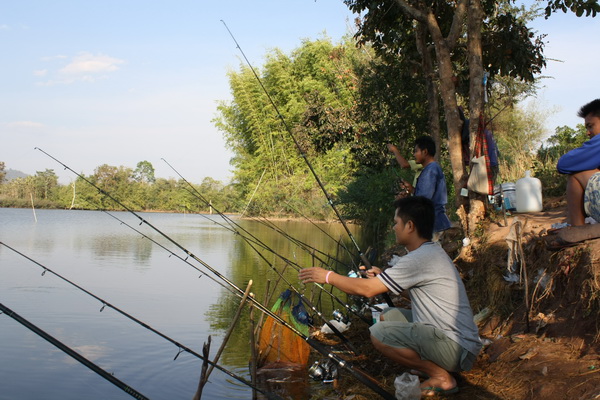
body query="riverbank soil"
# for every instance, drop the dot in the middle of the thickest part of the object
(542, 338)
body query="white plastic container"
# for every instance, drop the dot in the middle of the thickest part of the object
(529, 194)
(376, 311)
(510, 196)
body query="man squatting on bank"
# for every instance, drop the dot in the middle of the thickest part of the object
(437, 335)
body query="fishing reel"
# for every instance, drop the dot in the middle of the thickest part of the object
(324, 370)
(340, 317)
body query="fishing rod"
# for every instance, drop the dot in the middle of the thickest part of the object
(358, 374)
(252, 239)
(362, 255)
(66, 349)
(308, 303)
(313, 251)
(172, 253)
(105, 304)
(255, 240)
(339, 242)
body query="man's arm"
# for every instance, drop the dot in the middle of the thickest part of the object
(356, 286)
(401, 160)
(583, 158)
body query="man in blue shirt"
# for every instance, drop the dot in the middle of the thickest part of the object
(431, 183)
(582, 164)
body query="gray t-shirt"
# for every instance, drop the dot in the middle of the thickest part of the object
(437, 293)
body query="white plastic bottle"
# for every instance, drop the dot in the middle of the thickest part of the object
(529, 194)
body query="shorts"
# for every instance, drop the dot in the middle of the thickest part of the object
(591, 197)
(429, 342)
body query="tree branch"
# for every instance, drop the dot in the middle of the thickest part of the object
(457, 24)
(412, 11)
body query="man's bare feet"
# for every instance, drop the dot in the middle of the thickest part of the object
(439, 385)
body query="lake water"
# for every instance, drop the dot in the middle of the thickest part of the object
(119, 265)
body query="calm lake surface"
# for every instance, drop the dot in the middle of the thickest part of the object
(112, 261)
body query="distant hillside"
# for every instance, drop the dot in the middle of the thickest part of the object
(14, 174)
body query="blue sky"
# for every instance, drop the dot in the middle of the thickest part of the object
(118, 82)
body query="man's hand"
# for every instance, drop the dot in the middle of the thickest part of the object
(314, 274)
(371, 273)
(355, 286)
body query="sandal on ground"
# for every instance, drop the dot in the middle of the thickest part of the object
(557, 227)
(418, 373)
(558, 243)
(432, 391)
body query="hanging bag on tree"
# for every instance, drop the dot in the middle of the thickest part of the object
(480, 177)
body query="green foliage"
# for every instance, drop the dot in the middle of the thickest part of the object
(313, 89)
(144, 172)
(137, 189)
(579, 7)
(563, 140)
(2, 172)
(511, 49)
(369, 199)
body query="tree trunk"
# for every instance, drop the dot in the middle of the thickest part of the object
(433, 104)
(448, 94)
(476, 100)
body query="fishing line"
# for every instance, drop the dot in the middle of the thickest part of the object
(301, 151)
(257, 241)
(105, 304)
(313, 251)
(338, 242)
(66, 349)
(358, 374)
(281, 276)
(362, 255)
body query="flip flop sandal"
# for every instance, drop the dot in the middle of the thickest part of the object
(437, 391)
(419, 374)
(558, 243)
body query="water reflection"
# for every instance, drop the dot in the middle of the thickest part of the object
(119, 265)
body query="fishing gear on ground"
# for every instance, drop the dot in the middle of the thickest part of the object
(324, 370)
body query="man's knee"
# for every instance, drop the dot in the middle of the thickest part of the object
(376, 342)
(579, 180)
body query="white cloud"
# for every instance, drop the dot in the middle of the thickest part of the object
(25, 124)
(87, 64)
(4, 27)
(84, 67)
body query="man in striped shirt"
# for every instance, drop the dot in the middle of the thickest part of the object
(437, 335)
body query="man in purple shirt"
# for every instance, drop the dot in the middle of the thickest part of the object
(582, 164)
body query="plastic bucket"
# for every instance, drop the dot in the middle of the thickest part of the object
(510, 196)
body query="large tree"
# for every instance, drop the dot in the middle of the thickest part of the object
(269, 169)
(465, 35)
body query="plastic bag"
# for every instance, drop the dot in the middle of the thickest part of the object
(340, 326)
(408, 387)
